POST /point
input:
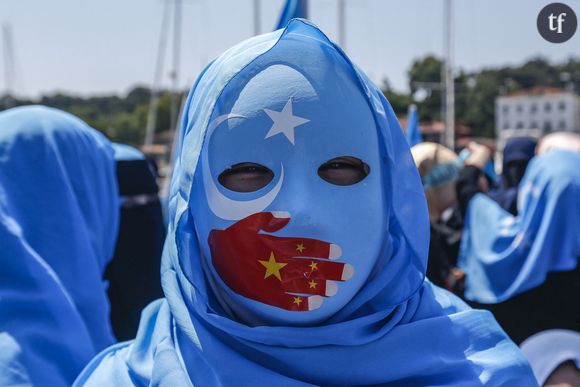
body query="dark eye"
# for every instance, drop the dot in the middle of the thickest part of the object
(246, 177)
(345, 170)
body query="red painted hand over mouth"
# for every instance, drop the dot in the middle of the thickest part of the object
(290, 273)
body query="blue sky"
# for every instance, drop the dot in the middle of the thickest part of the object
(107, 46)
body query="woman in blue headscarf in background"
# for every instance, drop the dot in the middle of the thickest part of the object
(59, 211)
(525, 268)
(297, 242)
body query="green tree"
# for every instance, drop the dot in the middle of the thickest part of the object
(399, 101)
(425, 74)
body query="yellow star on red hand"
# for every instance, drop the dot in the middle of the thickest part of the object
(300, 247)
(272, 267)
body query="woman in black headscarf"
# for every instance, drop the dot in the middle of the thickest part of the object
(133, 273)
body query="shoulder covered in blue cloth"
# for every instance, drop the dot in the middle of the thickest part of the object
(153, 358)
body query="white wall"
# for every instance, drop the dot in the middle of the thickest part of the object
(520, 113)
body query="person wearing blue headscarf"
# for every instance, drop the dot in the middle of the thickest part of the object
(133, 273)
(59, 211)
(439, 169)
(298, 239)
(525, 268)
(517, 153)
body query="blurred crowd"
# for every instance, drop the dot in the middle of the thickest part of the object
(506, 251)
(476, 248)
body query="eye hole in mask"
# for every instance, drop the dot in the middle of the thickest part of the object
(344, 170)
(246, 177)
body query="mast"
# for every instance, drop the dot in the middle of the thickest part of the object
(154, 102)
(176, 64)
(449, 136)
(257, 17)
(9, 66)
(342, 24)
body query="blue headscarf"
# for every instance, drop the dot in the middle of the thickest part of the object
(58, 225)
(503, 255)
(397, 329)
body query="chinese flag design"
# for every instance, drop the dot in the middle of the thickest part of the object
(290, 273)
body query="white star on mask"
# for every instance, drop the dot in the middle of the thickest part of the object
(284, 122)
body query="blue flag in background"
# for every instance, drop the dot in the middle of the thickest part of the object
(413, 133)
(293, 9)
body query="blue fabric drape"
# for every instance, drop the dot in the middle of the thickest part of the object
(504, 255)
(58, 225)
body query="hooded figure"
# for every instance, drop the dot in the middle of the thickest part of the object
(133, 274)
(517, 154)
(59, 211)
(298, 238)
(525, 268)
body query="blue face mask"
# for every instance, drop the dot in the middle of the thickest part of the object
(298, 249)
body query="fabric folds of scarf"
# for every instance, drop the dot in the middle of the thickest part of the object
(503, 255)
(58, 223)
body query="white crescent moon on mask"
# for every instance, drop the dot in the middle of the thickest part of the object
(224, 207)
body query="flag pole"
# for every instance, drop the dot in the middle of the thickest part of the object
(154, 101)
(341, 24)
(175, 99)
(449, 136)
(257, 17)
(10, 73)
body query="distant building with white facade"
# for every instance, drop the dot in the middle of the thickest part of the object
(541, 109)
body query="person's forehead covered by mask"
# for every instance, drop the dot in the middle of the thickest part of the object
(290, 209)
